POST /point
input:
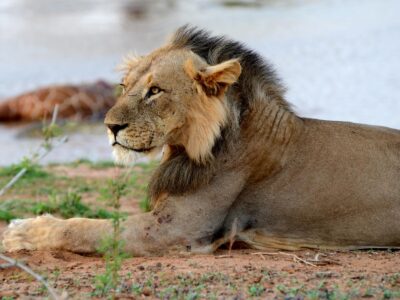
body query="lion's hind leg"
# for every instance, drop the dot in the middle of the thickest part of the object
(261, 239)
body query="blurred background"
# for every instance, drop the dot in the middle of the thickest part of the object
(340, 59)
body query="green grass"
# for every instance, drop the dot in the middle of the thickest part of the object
(42, 190)
(144, 204)
(102, 164)
(42, 181)
(6, 215)
(34, 171)
(256, 290)
(67, 205)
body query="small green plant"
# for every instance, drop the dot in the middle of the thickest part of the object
(33, 170)
(6, 215)
(369, 293)
(144, 204)
(50, 132)
(66, 205)
(141, 187)
(389, 294)
(70, 205)
(112, 247)
(394, 279)
(29, 164)
(256, 290)
(136, 289)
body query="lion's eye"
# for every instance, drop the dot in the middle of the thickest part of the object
(154, 90)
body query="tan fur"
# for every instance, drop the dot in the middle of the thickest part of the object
(235, 153)
(208, 114)
(128, 63)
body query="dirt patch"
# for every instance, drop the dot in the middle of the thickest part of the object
(86, 171)
(243, 274)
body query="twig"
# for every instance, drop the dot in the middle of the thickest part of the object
(24, 170)
(294, 256)
(223, 256)
(6, 266)
(260, 254)
(324, 261)
(55, 114)
(36, 157)
(13, 181)
(15, 263)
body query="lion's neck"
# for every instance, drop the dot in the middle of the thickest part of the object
(259, 143)
(267, 132)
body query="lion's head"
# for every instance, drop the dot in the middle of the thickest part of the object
(193, 98)
(171, 98)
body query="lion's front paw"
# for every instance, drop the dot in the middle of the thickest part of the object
(32, 234)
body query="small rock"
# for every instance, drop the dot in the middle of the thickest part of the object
(146, 291)
(326, 275)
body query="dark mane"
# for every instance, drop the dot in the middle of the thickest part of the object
(179, 175)
(257, 74)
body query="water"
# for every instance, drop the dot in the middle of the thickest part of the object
(339, 59)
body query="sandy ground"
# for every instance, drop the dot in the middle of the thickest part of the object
(349, 274)
(239, 274)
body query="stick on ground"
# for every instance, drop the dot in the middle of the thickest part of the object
(294, 256)
(14, 263)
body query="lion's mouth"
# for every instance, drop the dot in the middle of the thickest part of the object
(142, 150)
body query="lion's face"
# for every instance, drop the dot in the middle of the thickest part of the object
(170, 98)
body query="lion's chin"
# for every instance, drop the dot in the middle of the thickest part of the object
(124, 156)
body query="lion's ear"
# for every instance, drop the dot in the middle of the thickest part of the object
(215, 79)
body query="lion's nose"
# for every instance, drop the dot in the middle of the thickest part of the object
(116, 127)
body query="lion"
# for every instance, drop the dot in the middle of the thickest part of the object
(236, 161)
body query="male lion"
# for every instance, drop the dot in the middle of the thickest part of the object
(236, 157)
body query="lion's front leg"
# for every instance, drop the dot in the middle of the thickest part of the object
(143, 234)
(180, 223)
(48, 233)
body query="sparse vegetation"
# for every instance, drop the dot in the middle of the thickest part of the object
(256, 290)
(33, 170)
(109, 282)
(45, 190)
(65, 205)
